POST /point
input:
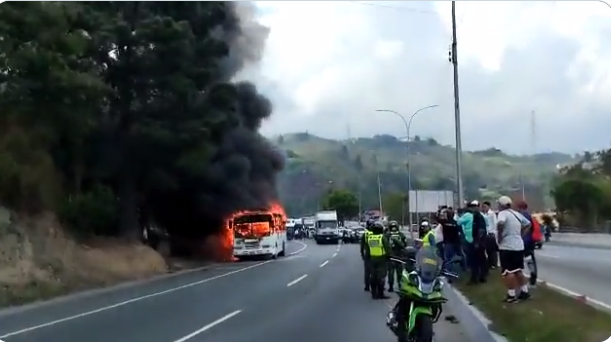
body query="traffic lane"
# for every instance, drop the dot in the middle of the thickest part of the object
(95, 299)
(582, 270)
(590, 240)
(328, 305)
(587, 244)
(205, 298)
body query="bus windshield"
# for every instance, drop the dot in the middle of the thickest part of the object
(253, 218)
(252, 226)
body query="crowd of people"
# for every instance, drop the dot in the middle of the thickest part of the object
(477, 239)
(481, 239)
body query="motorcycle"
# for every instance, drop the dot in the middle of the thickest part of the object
(422, 289)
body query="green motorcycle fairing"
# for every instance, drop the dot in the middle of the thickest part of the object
(410, 288)
(421, 303)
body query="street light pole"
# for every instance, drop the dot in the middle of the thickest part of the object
(380, 194)
(454, 61)
(408, 125)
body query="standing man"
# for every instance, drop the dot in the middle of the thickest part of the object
(377, 253)
(530, 238)
(492, 249)
(510, 225)
(423, 229)
(365, 254)
(451, 237)
(474, 228)
(398, 243)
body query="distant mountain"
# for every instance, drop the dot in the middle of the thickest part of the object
(317, 164)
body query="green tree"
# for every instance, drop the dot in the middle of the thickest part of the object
(395, 205)
(125, 112)
(582, 192)
(358, 163)
(343, 201)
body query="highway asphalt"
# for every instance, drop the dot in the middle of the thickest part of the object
(316, 294)
(584, 270)
(591, 240)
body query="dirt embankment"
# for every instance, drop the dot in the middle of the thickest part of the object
(38, 261)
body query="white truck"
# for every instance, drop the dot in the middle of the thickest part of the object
(327, 227)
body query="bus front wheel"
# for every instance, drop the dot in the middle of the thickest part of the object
(283, 251)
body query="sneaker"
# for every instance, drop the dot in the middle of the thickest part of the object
(366, 288)
(511, 299)
(524, 296)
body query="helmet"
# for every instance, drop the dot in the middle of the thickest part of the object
(393, 226)
(378, 225)
(370, 223)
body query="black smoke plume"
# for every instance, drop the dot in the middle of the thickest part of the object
(242, 172)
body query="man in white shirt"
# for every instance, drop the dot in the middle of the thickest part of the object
(510, 224)
(492, 249)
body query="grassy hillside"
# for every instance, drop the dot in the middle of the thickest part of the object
(316, 164)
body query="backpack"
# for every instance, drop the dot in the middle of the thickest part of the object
(537, 234)
(479, 225)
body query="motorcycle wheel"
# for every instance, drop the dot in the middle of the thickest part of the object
(424, 329)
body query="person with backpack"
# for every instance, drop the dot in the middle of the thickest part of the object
(473, 225)
(530, 237)
(512, 226)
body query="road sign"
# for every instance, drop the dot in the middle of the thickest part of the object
(428, 201)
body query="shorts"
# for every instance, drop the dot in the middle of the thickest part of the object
(511, 261)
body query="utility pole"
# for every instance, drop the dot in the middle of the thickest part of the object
(358, 172)
(454, 60)
(380, 194)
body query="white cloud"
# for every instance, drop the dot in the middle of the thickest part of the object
(332, 62)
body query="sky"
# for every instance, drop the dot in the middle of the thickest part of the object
(327, 66)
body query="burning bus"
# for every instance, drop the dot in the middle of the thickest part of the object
(258, 233)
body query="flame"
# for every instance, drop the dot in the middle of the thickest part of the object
(258, 229)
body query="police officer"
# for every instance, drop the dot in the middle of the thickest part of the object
(398, 243)
(428, 236)
(424, 227)
(365, 254)
(377, 253)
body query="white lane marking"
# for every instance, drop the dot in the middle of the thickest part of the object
(334, 255)
(296, 280)
(339, 247)
(324, 263)
(133, 300)
(575, 294)
(304, 246)
(208, 326)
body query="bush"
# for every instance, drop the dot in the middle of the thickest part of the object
(94, 212)
(28, 178)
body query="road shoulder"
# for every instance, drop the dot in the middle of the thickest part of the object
(548, 316)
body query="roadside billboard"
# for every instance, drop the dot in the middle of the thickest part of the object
(429, 201)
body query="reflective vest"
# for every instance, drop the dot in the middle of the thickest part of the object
(376, 247)
(428, 238)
